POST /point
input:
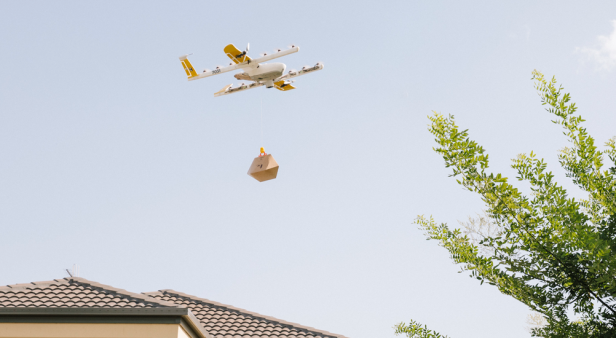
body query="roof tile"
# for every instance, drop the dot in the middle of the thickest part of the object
(224, 321)
(70, 292)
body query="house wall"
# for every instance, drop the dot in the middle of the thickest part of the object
(78, 330)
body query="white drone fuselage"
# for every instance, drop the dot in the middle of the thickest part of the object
(265, 72)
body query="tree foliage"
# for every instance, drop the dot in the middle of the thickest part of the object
(554, 253)
(415, 330)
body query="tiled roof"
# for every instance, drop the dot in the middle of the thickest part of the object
(225, 321)
(73, 293)
(81, 296)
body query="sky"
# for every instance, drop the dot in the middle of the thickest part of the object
(111, 160)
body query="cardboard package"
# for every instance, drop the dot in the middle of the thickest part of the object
(263, 168)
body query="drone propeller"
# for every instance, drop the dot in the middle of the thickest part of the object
(293, 71)
(277, 50)
(319, 63)
(244, 52)
(305, 67)
(291, 46)
(206, 70)
(263, 54)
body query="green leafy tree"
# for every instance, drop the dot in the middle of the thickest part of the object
(552, 252)
(415, 330)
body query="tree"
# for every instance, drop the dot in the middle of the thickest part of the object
(552, 252)
(415, 330)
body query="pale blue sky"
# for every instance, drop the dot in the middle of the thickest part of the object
(111, 160)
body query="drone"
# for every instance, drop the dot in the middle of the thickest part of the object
(269, 75)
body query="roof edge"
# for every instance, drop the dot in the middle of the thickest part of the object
(22, 286)
(195, 323)
(308, 328)
(123, 292)
(190, 317)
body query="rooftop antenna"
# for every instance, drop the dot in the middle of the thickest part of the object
(74, 272)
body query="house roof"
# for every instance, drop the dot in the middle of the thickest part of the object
(74, 293)
(226, 321)
(81, 297)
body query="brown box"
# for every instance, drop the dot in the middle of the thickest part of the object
(263, 168)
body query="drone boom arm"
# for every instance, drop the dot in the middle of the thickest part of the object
(275, 55)
(193, 75)
(230, 90)
(215, 72)
(301, 72)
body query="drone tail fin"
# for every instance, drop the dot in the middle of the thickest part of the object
(281, 85)
(188, 68)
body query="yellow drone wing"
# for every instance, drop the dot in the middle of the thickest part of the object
(235, 54)
(280, 85)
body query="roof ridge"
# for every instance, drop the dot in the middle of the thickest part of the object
(123, 292)
(258, 315)
(81, 280)
(21, 286)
